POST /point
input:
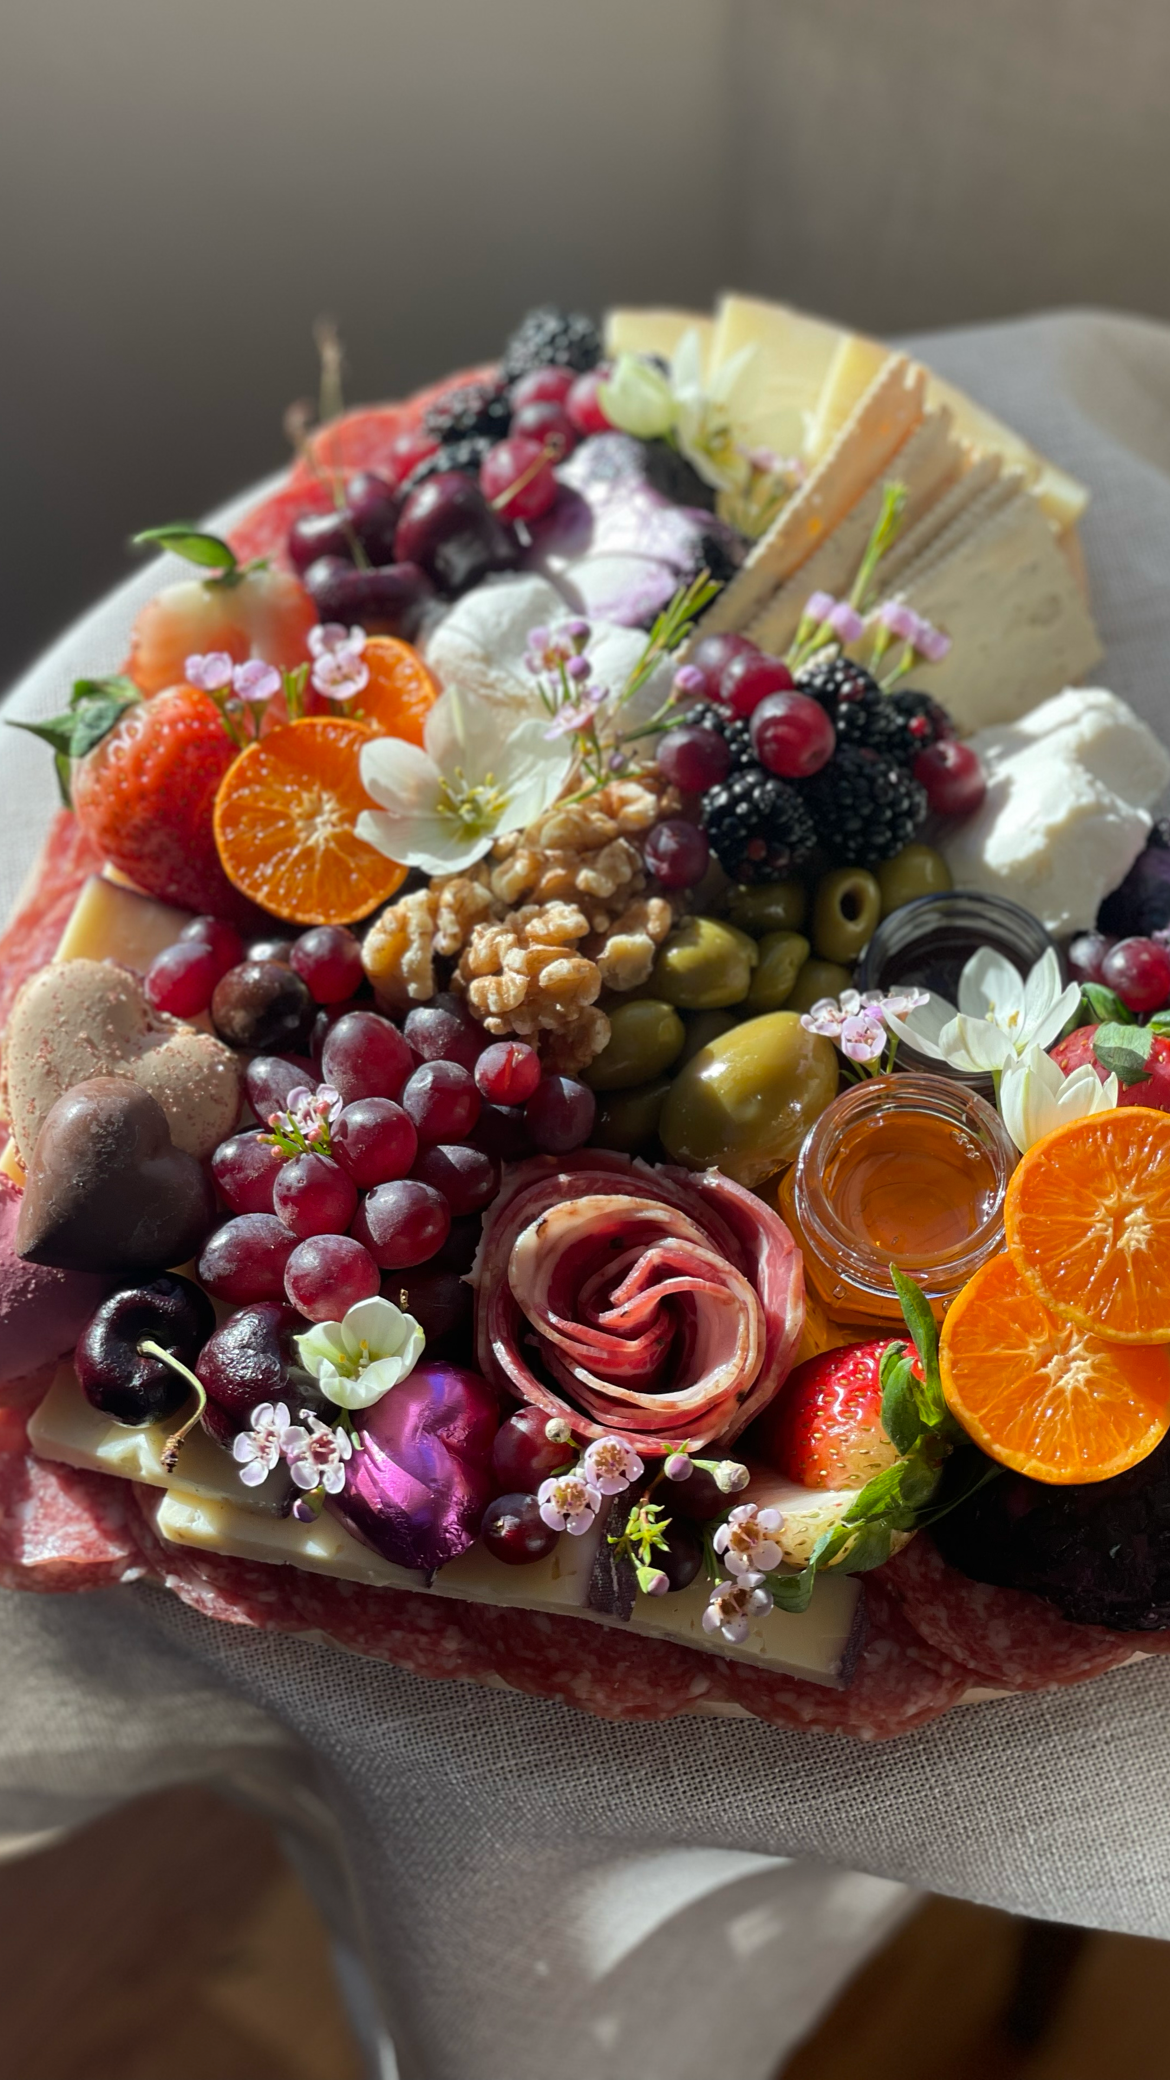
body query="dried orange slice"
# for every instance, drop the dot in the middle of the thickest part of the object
(400, 692)
(1039, 1394)
(1087, 1217)
(284, 825)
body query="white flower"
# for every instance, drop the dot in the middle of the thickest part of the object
(339, 668)
(1035, 1096)
(316, 1455)
(705, 423)
(611, 1464)
(733, 1605)
(256, 681)
(210, 670)
(258, 1450)
(729, 1476)
(637, 398)
(357, 1360)
(746, 1540)
(441, 808)
(568, 1503)
(330, 637)
(999, 1016)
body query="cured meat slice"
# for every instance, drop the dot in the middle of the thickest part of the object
(431, 1636)
(600, 1670)
(1003, 1635)
(61, 1527)
(31, 936)
(666, 1307)
(899, 1683)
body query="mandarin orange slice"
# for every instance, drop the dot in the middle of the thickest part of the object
(285, 818)
(1087, 1217)
(400, 691)
(1039, 1394)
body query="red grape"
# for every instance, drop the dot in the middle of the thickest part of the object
(541, 386)
(523, 1455)
(277, 948)
(457, 1253)
(1139, 971)
(364, 1056)
(549, 425)
(514, 1531)
(952, 776)
(559, 1115)
(697, 1497)
(1085, 955)
(677, 853)
(405, 452)
(269, 1078)
(694, 758)
(314, 1196)
(443, 1305)
(683, 1555)
(467, 1178)
(329, 961)
(326, 1274)
(181, 979)
(374, 1140)
(792, 735)
(403, 1223)
(502, 1133)
(223, 939)
(747, 680)
(443, 1031)
(245, 1169)
(245, 1259)
(442, 1100)
(519, 457)
(713, 654)
(584, 406)
(508, 1072)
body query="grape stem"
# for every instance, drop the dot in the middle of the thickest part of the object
(174, 1444)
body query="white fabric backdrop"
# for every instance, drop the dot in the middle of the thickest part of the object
(532, 1886)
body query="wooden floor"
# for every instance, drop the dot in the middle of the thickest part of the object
(172, 1941)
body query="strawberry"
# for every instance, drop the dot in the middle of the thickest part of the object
(824, 1429)
(264, 613)
(144, 795)
(1144, 1080)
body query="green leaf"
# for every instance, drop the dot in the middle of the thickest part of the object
(791, 1592)
(921, 1324)
(901, 1420)
(95, 706)
(871, 1548)
(117, 687)
(1125, 1050)
(209, 551)
(1105, 1006)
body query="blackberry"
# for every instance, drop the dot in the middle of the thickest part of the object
(464, 456)
(734, 729)
(548, 338)
(677, 479)
(855, 705)
(473, 409)
(864, 805)
(921, 722)
(759, 827)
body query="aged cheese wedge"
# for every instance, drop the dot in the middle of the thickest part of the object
(778, 390)
(855, 363)
(656, 332)
(1062, 498)
(112, 922)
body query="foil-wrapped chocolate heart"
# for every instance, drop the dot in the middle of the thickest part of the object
(107, 1188)
(420, 1483)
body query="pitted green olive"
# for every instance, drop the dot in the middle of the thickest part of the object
(818, 979)
(645, 1037)
(782, 955)
(703, 1027)
(628, 1120)
(846, 909)
(747, 1101)
(704, 964)
(918, 870)
(776, 906)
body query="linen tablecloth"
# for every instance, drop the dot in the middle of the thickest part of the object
(534, 1890)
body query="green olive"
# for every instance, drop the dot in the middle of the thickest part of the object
(628, 1120)
(918, 870)
(703, 1027)
(776, 906)
(846, 909)
(782, 955)
(747, 1101)
(818, 979)
(704, 964)
(645, 1037)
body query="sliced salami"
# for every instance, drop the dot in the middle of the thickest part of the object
(600, 1670)
(1002, 1635)
(426, 1635)
(899, 1683)
(30, 939)
(61, 1527)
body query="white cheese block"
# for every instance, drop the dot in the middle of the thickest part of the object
(111, 922)
(777, 392)
(1070, 786)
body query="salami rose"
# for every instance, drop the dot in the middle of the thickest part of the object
(648, 1304)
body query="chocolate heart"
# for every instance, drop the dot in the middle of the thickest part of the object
(78, 1019)
(107, 1188)
(421, 1482)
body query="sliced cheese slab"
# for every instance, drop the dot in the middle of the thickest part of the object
(778, 390)
(927, 464)
(864, 450)
(1019, 627)
(112, 922)
(656, 332)
(855, 363)
(1062, 498)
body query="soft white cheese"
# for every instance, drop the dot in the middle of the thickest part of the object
(1069, 789)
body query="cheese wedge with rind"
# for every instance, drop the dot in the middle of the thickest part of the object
(656, 332)
(111, 922)
(778, 389)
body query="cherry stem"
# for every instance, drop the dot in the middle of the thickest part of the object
(174, 1444)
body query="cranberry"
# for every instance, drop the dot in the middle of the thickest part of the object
(677, 853)
(403, 1223)
(516, 477)
(442, 1100)
(508, 1072)
(560, 1114)
(245, 1170)
(523, 1455)
(313, 1195)
(514, 1531)
(450, 531)
(541, 386)
(389, 601)
(326, 1274)
(713, 654)
(952, 776)
(180, 980)
(550, 426)
(792, 735)
(583, 404)
(329, 962)
(693, 758)
(1139, 971)
(374, 1141)
(745, 681)
(364, 1056)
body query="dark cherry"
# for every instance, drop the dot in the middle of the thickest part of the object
(502, 1133)
(313, 536)
(449, 529)
(391, 600)
(261, 1005)
(514, 1531)
(373, 505)
(252, 1358)
(457, 1253)
(683, 1557)
(523, 1455)
(121, 1379)
(443, 1305)
(697, 1497)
